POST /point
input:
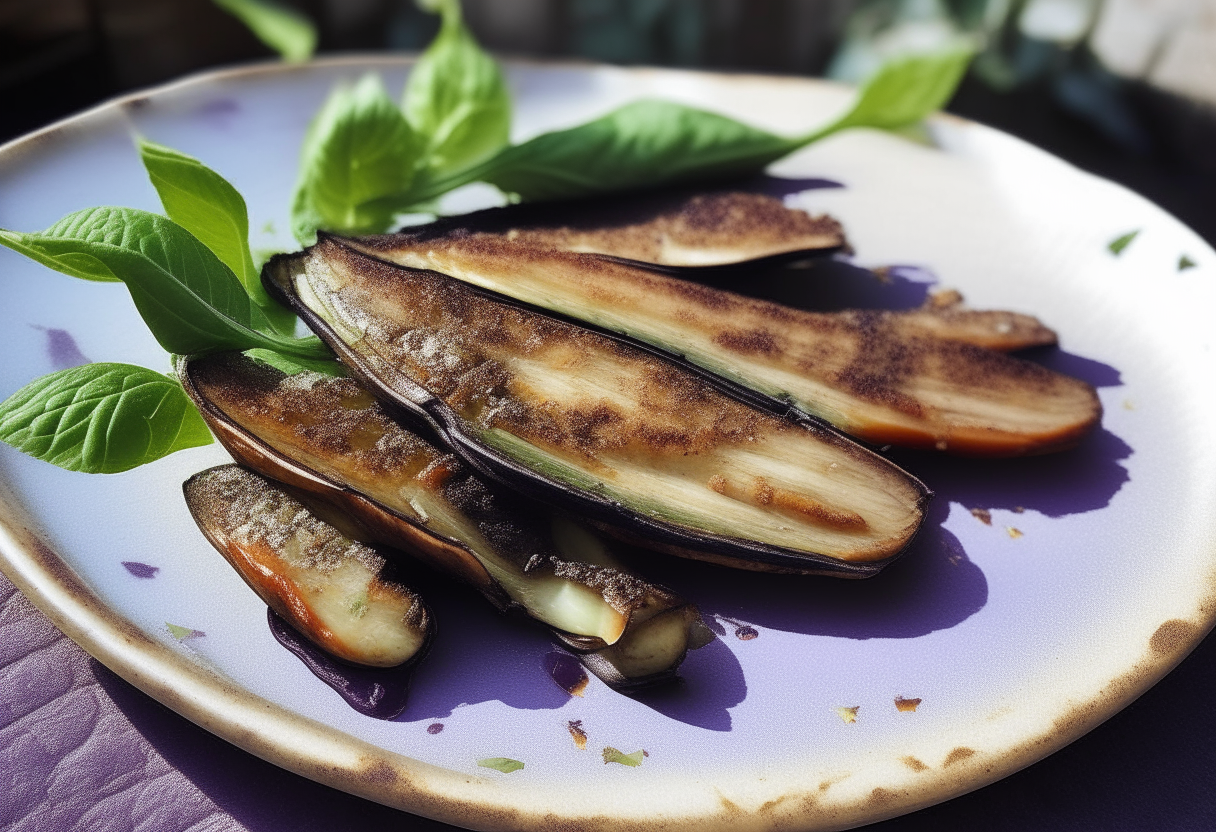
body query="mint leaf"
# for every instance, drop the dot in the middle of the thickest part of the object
(456, 98)
(101, 418)
(1121, 242)
(641, 145)
(190, 301)
(903, 92)
(611, 755)
(504, 764)
(284, 30)
(205, 204)
(358, 149)
(293, 366)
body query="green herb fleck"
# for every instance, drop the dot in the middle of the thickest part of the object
(1185, 263)
(284, 30)
(612, 755)
(504, 764)
(1117, 245)
(182, 633)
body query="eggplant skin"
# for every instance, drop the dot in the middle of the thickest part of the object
(920, 379)
(330, 588)
(471, 322)
(249, 406)
(675, 231)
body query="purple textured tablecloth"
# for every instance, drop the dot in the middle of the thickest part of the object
(82, 749)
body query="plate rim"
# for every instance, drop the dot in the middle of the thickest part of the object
(328, 755)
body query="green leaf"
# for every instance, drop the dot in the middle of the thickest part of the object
(611, 755)
(456, 98)
(903, 92)
(101, 418)
(284, 30)
(643, 144)
(182, 633)
(293, 366)
(190, 301)
(504, 764)
(205, 204)
(1185, 262)
(1121, 242)
(358, 149)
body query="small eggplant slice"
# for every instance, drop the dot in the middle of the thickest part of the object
(606, 430)
(328, 437)
(914, 379)
(329, 587)
(670, 231)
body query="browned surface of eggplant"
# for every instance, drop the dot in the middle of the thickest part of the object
(919, 379)
(329, 437)
(675, 230)
(327, 586)
(602, 427)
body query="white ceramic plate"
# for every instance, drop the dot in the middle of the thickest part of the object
(1095, 576)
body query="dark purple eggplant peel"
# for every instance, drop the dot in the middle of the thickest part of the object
(927, 378)
(329, 438)
(639, 444)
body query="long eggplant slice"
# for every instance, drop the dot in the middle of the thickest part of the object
(671, 231)
(598, 426)
(915, 379)
(327, 586)
(328, 437)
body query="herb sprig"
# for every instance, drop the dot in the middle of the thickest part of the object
(195, 287)
(456, 117)
(364, 160)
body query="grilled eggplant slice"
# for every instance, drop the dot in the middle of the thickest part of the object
(915, 379)
(328, 437)
(670, 231)
(329, 587)
(596, 425)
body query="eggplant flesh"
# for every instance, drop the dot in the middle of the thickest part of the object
(922, 378)
(584, 420)
(672, 231)
(329, 437)
(329, 587)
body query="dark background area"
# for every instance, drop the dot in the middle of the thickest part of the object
(1145, 769)
(60, 56)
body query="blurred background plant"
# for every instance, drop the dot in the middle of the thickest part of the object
(1124, 88)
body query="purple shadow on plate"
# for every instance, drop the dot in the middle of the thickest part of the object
(140, 570)
(781, 187)
(61, 348)
(376, 692)
(218, 113)
(829, 284)
(478, 655)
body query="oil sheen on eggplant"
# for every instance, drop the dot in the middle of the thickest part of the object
(635, 441)
(329, 437)
(923, 378)
(329, 587)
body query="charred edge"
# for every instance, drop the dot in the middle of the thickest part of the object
(336, 490)
(583, 646)
(733, 390)
(421, 405)
(771, 261)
